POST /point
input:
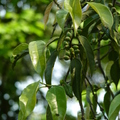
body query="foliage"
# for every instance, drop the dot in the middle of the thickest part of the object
(87, 40)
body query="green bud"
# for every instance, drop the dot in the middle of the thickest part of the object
(69, 34)
(75, 46)
(67, 53)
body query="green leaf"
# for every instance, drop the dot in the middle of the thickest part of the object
(56, 99)
(61, 16)
(114, 108)
(49, 67)
(38, 57)
(27, 100)
(20, 48)
(104, 13)
(48, 114)
(107, 101)
(114, 72)
(74, 8)
(76, 77)
(89, 52)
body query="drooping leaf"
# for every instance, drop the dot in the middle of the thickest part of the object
(61, 16)
(104, 13)
(48, 114)
(107, 101)
(89, 52)
(27, 100)
(114, 108)
(74, 8)
(47, 12)
(49, 67)
(38, 57)
(20, 48)
(76, 77)
(56, 99)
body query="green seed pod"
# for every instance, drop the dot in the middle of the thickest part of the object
(69, 34)
(67, 53)
(110, 5)
(66, 43)
(68, 38)
(71, 49)
(77, 51)
(67, 46)
(75, 46)
(66, 57)
(113, 9)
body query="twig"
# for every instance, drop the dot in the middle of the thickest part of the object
(118, 3)
(57, 4)
(90, 102)
(82, 109)
(114, 2)
(55, 25)
(101, 109)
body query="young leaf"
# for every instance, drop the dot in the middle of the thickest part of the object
(20, 48)
(104, 13)
(27, 100)
(89, 52)
(47, 12)
(114, 108)
(49, 67)
(37, 54)
(61, 16)
(76, 77)
(56, 99)
(74, 8)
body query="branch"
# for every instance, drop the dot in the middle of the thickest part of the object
(57, 4)
(101, 109)
(82, 109)
(114, 2)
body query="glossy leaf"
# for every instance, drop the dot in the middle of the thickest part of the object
(20, 48)
(56, 99)
(48, 114)
(76, 77)
(61, 16)
(49, 67)
(89, 52)
(38, 57)
(114, 108)
(47, 12)
(104, 13)
(74, 8)
(27, 100)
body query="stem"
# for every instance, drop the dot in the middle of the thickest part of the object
(55, 25)
(90, 103)
(101, 109)
(82, 109)
(114, 2)
(57, 4)
(67, 74)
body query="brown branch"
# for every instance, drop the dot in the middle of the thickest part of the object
(57, 4)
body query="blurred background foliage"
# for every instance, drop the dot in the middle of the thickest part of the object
(21, 21)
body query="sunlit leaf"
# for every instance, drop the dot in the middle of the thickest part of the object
(27, 100)
(61, 16)
(47, 12)
(114, 108)
(76, 77)
(89, 52)
(104, 13)
(38, 57)
(20, 48)
(49, 67)
(74, 8)
(56, 99)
